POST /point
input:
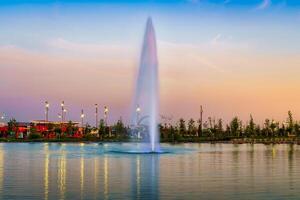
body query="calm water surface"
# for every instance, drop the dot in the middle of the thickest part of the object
(192, 171)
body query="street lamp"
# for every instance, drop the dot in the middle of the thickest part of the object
(138, 111)
(62, 111)
(96, 114)
(47, 109)
(82, 116)
(65, 114)
(105, 114)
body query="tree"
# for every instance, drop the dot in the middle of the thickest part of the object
(191, 127)
(182, 127)
(250, 128)
(219, 127)
(274, 126)
(87, 129)
(290, 122)
(101, 127)
(12, 126)
(297, 128)
(267, 128)
(235, 127)
(119, 127)
(172, 133)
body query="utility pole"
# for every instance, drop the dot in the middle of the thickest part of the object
(200, 122)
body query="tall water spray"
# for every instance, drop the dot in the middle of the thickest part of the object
(146, 94)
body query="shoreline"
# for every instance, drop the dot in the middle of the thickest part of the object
(266, 141)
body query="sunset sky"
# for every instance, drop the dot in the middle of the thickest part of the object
(234, 57)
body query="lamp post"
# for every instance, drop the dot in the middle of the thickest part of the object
(105, 114)
(138, 111)
(2, 117)
(47, 110)
(82, 116)
(105, 118)
(62, 111)
(96, 115)
(65, 114)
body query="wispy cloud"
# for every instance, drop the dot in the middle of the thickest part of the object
(264, 4)
(216, 39)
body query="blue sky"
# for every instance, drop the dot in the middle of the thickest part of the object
(212, 43)
(24, 21)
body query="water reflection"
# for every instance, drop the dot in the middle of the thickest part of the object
(46, 174)
(61, 179)
(145, 177)
(138, 177)
(222, 171)
(96, 174)
(291, 152)
(1, 169)
(106, 195)
(81, 176)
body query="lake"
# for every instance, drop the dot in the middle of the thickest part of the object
(188, 171)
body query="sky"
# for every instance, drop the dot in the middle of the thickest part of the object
(234, 57)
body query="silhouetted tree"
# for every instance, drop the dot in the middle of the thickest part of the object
(191, 127)
(235, 127)
(182, 127)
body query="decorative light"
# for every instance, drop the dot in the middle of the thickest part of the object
(105, 110)
(138, 109)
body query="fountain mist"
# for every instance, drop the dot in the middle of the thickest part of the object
(146, 94)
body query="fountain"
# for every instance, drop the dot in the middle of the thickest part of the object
(145, 115)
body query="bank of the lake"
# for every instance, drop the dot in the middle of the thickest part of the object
(283, 140)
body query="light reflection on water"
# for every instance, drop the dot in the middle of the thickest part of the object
(208, 171)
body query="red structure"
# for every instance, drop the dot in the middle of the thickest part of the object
(44, 128)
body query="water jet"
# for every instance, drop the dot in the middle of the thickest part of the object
(145, 116)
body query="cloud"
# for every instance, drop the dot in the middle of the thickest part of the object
(263, 5)
(222, 41)
(216, 39)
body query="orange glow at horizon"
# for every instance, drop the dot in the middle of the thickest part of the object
(227, 83)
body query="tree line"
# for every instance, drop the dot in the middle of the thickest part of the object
(191, 130)
(214, 129)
